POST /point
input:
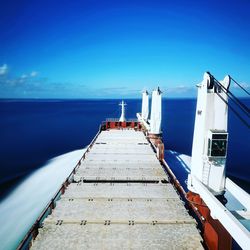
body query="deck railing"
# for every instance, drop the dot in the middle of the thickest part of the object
(33, 232)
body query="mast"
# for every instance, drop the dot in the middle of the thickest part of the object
(210, 138)
(155, 118)
(145, 102)
(122, 118)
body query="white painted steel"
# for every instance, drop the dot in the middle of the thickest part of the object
(211, 115)
(145, 105)
(155, 118)
(207, 177)
(122, 118)
(242, 196)
(145, 123)
(240, 234)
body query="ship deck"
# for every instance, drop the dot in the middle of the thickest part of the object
(120, 197)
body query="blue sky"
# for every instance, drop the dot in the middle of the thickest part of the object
(114, 49)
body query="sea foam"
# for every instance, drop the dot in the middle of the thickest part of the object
(20, 209)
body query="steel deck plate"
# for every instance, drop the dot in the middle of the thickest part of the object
(117, 190)
(106, 209)
(120, 165)
(118, 236)
(119, 174)
(122, 210)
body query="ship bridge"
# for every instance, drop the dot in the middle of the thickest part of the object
(119, 197)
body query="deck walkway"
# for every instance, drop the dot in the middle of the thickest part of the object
(120, 199)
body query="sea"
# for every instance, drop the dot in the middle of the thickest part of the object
(41, 141)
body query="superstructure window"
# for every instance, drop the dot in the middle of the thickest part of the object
(217, 145)
(219, 148)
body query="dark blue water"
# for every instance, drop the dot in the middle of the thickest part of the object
(33, 132)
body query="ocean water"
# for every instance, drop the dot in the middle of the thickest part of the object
(32, 132)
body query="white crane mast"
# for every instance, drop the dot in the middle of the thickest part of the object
(210, 135)
(155, 118)
(145, 104)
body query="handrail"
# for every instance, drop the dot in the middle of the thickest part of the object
(174, 179)
(117, 120)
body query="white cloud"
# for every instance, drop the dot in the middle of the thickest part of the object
(243, 84)
(4, 70)
(33, 74)
(24, 76)
(180, 89)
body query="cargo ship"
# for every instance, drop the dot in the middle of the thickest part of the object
(123, 194)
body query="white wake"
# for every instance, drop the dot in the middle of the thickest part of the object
(22, 207)
(184, 160)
